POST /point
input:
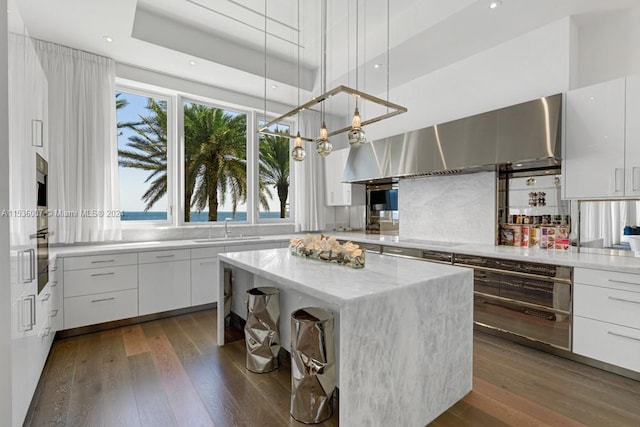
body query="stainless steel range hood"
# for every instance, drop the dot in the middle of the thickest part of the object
(522, 136)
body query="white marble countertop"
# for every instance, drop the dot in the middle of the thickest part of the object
(338, 284)
(115, 247)
(629, 264)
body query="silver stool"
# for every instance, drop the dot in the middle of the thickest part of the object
(261, 329)
(313, 365)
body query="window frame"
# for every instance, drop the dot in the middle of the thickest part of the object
(292, 125)
(170, 100)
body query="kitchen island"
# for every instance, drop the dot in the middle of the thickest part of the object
(403, 329)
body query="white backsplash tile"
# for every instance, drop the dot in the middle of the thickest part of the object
(456, 208)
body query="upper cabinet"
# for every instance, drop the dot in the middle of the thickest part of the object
(601, 157)
(337, 192)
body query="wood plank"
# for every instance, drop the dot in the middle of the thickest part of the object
(119, 399)
(151, 399)
(183, 398)
(135, 342)
(86, 402)
(52, 403)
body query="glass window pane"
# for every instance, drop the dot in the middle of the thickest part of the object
(142, 157)
(215, 163)
(274, 176)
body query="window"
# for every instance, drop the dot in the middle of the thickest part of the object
(215, 163)
(142, 156)
(274, 153)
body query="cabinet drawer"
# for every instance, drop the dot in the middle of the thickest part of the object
(97, 280)
(608, 343)
(607, 304)
(98, 308)
(410, 252)
(95, 261)
(608, 279)
(164, 256)
(211, 252)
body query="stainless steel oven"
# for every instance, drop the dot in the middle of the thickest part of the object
(527, 299)
(42, 233)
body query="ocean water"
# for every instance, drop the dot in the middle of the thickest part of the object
(195, 216)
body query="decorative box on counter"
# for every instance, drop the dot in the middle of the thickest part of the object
(327, 248)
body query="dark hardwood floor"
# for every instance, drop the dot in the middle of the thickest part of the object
(170, 372)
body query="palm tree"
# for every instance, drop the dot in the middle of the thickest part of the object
(120, 104)
(274, 166)
(148, 150)
(215, 158)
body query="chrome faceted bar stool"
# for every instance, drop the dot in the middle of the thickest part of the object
(313, 365)
(261, 332)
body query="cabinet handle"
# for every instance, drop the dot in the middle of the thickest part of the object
(208, 262)
(635, 178)
(165, 256)
(103, 274)
(395, 251)
(102, 261)
(48, 331)
(622, 336)
(32, 265)
(46, 297)
(54, 313)
(624, 300)
(623, 282)
(619, 180)
(32, 313)
(103, 299)
(54, 283)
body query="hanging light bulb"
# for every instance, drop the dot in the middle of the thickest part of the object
(298, 152)
(323, 145)
(356, 135)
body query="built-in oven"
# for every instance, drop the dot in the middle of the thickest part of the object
(527, 299)
(42, 220)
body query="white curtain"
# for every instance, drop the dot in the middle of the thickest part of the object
(83, 171)
(309, 179)
(606, 221)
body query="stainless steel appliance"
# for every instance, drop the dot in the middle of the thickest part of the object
(382, 209)
(42, 234)
(526, 299)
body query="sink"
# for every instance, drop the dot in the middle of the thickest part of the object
(225, 239)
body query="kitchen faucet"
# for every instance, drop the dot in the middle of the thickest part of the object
(226, 229)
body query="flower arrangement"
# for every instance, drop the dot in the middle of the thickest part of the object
(327, 248)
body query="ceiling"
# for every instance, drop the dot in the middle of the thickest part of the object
(222, 42)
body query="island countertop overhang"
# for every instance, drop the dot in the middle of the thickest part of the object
(340, 284)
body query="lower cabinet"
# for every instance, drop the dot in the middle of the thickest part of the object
(164, 281)
(99, 308)
(606, 325)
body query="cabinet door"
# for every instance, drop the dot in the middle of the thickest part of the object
(632, 147)
(164, 286)
(204, 281)
(593, 164)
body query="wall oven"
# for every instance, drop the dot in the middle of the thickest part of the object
(522, 298)
(42, 219)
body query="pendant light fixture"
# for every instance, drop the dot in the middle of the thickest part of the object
(323, 145)
(357, 135)
(355, 130)
(298, 154)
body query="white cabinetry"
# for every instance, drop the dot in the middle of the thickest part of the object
(100, 288)
(601, 154)
(606, 320)
(337, 192)
(204, 275)
(164, 280)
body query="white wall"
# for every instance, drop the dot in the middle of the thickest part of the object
(607, 47)
(455, 208)
(5, 288)
(533, 65)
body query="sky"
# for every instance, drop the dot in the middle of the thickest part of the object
(132, 181)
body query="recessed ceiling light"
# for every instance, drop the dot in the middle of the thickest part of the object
(494, 4)
(108, 39)
(274, 86)
(192, 62)
(377, 66)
